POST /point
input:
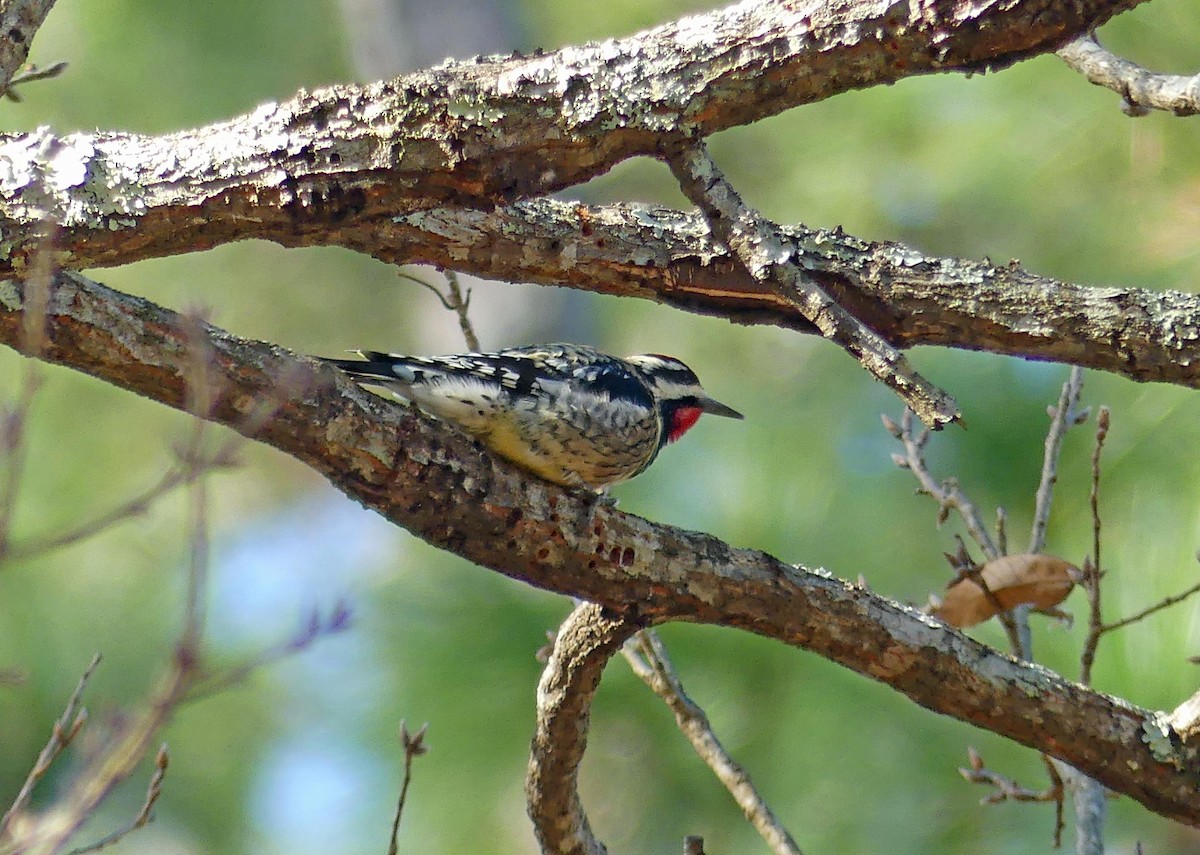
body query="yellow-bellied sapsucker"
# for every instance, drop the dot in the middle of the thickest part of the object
(567, 413)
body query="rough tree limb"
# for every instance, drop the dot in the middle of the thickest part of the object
(668, 256)
(443, 487)
(492, 130)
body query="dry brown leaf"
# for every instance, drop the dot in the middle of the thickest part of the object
(1041, 581)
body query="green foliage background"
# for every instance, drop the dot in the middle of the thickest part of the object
(1031, 163)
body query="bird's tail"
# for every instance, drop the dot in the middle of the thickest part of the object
(374, 365)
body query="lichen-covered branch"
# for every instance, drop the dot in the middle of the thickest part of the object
(488, 131)
(1141, 90)
(669, 257)
(443, 487)
(762, 250)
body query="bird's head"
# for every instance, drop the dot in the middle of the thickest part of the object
(678, 393)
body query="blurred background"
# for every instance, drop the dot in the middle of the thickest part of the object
(1032, 163)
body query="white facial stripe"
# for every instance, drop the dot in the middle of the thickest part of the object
(671, 391)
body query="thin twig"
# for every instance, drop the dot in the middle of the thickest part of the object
(65, 729)
(648, 658)
(758, 243)
(414, 746)
(188, 650)
(205, 685)
(1056, 783)
(30, 74)
(461, 304)
(1141, 90)
(201, 395)
(1164, 603)
(454, 300)
(176, 476)
(19, 21)
(118, 760)
(1065, 415)
(12, 450)
(145, 815)
(1092, 572)
(36, 301)
(108, 769)
(948, 495)
(1005, 789)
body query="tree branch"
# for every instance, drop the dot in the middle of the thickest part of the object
(585, 642)
(760, 248)
(1141, 90)
(19, 21)
(647, 657)
(443, 487)
(488, 131)
(669, 257)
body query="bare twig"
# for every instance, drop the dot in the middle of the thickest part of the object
(13, 421)
(205, 685)
(454, 300)
(12, 449)
(1006, 789)
(176, 476)
(414, 746)
(760, 247)
(585, 642)
(1141, 90)
(111, 766)
(128, 745)
(1065, 415)
(64, 730)
(145, 815)
(118, 760)
(648, 658)
(1092, 571)
(1056, 782)
(201, 394)
(948, 495)
(1164, 603)
(32, 73)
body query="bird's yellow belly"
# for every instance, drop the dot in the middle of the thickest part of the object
(565, 456)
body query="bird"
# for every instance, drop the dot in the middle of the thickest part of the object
(568, 413)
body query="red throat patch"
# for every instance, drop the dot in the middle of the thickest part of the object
(681, 422)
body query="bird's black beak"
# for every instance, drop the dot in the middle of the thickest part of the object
(708, 405)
